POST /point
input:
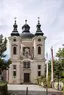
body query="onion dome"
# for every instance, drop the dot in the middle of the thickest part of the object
(15, 31)
(39, 31)
(26, 31)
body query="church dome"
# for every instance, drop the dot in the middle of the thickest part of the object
(27, 35)
(26, 31)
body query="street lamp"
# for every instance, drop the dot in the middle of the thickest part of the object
(58, 79)
(27, 91)
(46, 82)
(46, 89)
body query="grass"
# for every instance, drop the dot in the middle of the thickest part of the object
(2, 83)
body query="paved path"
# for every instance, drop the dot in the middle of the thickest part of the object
(23, 87)
(30, 87)
(33, 90)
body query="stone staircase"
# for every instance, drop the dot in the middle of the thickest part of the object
(31, 90)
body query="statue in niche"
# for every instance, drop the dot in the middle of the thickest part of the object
(26, 52)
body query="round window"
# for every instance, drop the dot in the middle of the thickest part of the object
(14, 39)
(39, 39)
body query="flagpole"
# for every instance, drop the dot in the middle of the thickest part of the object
(47, 66)
(52, 77)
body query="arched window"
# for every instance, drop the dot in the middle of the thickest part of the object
(14, 50)
(39, 50)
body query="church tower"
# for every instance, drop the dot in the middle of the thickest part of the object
(15, 43)
(39, 50)
(15, 46)
(39, 43)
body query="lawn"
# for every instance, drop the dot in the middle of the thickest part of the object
(2, 83)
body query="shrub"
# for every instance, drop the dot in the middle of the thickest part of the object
(3, 88)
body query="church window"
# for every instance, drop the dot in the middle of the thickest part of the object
(39, 50)
(26, 65)
(14, 50)
(39, 66)
(0, 72)
(39, 73)
(14, 66)
(14, 73)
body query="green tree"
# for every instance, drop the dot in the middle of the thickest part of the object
(60, 55)
(3, 47)
(4, 65)
(56, 69)
(58, 65)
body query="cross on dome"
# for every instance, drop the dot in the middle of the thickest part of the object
(15, 19)
(38, 19)
(26, 21)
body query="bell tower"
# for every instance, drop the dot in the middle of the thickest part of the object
(15, 43)
(15, 48)
(39, 42)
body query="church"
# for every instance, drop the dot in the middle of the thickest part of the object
(27, 53)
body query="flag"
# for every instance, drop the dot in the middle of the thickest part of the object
(47, 66)
(52, 60)
(52, 54)
(46, 55)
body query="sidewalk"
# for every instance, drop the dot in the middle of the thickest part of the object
(30, 87)
(32, 90)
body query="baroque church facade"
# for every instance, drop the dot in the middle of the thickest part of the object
(27, 53)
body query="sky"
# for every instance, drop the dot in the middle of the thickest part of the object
(51, 13)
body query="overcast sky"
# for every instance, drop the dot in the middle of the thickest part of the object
(51, 13)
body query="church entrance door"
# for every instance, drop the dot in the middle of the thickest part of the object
(26, 77)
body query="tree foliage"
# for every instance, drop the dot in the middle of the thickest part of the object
(57, 69)
(60, 55)
(3, 47)
(58, 65)
(4, 65)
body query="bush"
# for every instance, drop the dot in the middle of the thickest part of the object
(42, 81)
(3, 88)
